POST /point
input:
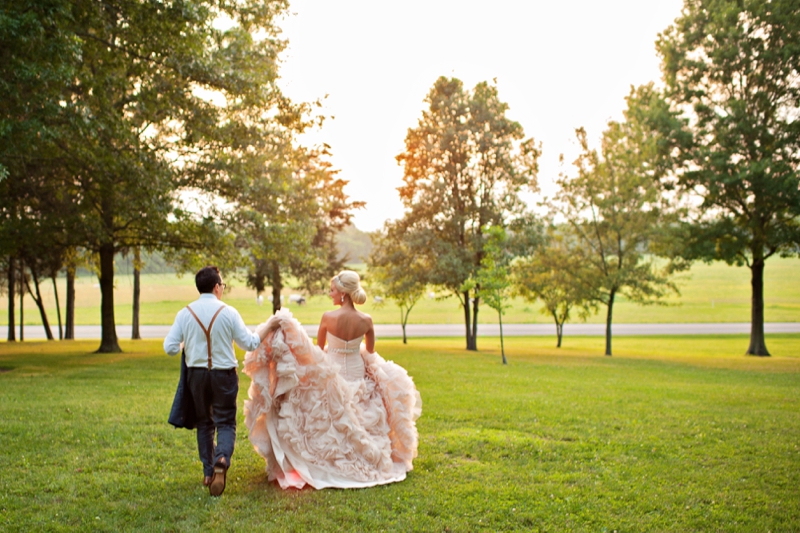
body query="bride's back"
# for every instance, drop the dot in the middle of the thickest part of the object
(347, 323)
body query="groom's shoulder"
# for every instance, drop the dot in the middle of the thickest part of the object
(182, 311)
(230, 310)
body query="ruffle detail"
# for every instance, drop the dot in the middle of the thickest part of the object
(314, 427)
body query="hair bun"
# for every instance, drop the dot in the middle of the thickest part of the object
(349, 283)
(359, 296)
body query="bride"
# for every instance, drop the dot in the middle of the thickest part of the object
(337, 417)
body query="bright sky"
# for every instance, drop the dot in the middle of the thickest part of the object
(558, 64)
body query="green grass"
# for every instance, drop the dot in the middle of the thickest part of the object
(670, 434)
(709, 293)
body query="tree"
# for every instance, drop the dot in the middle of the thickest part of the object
(37, 296)
(21, 290)
(492, 280)
(11, 282)
(353, 243)
(142, 68)
(616, 210)
(464, 167)
(731, 70)
(37, 62)
(555, 274)
(34, 231)
(332, 211)
(401, 274)
(137, 289)
(288, 220)
(137, 123)
(72, 258)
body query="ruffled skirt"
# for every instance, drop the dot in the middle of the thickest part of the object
(313, 427)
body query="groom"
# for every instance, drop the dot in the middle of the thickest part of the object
(206, 329)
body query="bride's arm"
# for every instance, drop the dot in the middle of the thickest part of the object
(322, 332)
(369, 337)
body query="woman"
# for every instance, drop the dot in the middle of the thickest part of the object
(342, 417)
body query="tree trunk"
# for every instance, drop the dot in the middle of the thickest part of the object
(475, 322)
(70, 325)
(403, 320)
(58, 307)
(137, 259)
(559, 333)
(37, 298)
(108, 326)
(758, 345)
(502, 346)
(21, 304)
(277, 286)
(12, 282)
(559, 329)
(608, 322)
(467, 323)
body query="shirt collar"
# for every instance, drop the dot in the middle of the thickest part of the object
(208, 296)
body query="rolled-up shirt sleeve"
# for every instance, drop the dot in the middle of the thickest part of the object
(172, 342)
(246, 339)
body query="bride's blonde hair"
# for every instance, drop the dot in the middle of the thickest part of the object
(349, 283)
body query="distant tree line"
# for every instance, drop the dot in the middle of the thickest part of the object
(353, 245)
(703, 167)
(138, 127)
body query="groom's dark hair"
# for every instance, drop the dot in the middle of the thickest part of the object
(207, 278)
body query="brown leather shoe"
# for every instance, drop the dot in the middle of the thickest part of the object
(207, 481)
(217, 485)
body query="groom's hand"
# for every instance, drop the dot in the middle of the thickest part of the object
(272, 327)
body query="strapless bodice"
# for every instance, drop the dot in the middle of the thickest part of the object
(348, 355)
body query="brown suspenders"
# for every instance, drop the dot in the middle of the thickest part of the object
(207, 331)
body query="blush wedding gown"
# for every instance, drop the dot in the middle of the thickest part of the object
(340, 418)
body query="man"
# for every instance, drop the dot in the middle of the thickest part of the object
(206, 330)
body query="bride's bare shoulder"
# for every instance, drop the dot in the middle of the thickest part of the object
(330, 315)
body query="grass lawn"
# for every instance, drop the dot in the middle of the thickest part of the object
(670, 434)
(709, 293)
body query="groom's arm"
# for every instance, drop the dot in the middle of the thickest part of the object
(174, 339)
(246, 339)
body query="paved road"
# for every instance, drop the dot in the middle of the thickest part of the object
(457, 330)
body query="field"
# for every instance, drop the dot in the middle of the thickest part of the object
(671, 434)
(709, 293)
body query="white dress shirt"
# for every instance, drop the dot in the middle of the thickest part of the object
(228, 327)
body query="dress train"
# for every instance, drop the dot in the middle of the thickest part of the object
(314, 427)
